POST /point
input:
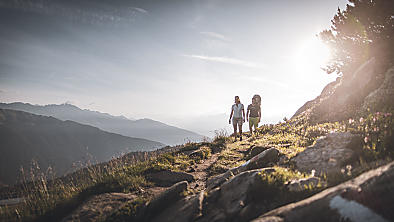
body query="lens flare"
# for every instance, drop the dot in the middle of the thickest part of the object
(312, 55)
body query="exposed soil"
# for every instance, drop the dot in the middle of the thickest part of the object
(201, 173)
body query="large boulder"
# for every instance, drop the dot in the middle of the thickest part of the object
(226, 202)
(164, 200)
(369, 197)
(263, 159)
(186, 209)
(168, 178)
(329, 153)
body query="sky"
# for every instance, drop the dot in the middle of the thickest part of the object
(175, 61)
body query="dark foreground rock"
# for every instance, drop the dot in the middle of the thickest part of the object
(187, 209)
(99, 207)
(369, 197)
(329, 154)
(263, 159)
(168, 178)
(241, 198)
(164, 200)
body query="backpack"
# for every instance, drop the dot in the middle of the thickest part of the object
(258, 98)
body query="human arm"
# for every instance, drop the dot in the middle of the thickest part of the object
(259, 113)
(231, 115)
(243, 114)
(247, 114)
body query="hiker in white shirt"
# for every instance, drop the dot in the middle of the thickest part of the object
(238, 117)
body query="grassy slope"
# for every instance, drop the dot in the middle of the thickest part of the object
(54, 199)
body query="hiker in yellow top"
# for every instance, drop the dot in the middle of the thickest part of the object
(253, 115)
(238, 117)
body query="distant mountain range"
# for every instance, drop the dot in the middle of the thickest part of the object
(59, 144)
(143, 128)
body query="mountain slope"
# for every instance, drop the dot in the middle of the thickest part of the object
(368, 89)
(144, 128)
(52, 142)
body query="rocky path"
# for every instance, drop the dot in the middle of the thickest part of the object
(201, 173)
(103, 205)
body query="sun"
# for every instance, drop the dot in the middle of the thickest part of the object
(311, 55)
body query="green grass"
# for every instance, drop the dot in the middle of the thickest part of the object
(49, 198)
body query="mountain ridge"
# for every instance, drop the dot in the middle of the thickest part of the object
(56, 143)
(142, 128)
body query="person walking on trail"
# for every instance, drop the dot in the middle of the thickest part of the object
(253, 114)
(238, 117)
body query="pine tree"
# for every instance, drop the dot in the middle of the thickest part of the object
(362, 31)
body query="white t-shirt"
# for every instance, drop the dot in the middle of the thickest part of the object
(237, 110)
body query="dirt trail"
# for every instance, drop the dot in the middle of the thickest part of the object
(201, 173)
(102, 205)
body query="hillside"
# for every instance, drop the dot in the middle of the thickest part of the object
(59, 144)
(291, 162)
(144, 128)
(334, 156)
(367, 89)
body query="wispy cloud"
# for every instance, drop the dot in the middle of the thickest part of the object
(140, 10)
(225, 60)
(215, 35)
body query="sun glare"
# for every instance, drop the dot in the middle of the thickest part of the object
(311, 55)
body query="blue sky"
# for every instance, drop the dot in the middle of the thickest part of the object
(181, 62)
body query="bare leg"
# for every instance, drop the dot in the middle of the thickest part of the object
(235, 131)
(240, 132)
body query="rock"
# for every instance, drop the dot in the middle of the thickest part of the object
(99, 207)
(197, 153)
(189, 148)
(255, 150)
(190, 170)
(283, 159)
(203, 153)
(368, 197)
(260, 161)
(165, 199)
(235, 199)
(12, 201)
(329, 153)
(218, 180)
(269, 219)
(303, 184)
(186, 209)
(168, 178)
